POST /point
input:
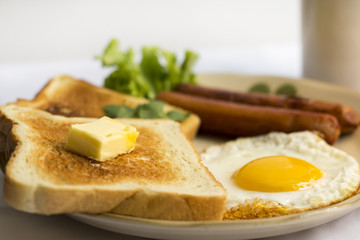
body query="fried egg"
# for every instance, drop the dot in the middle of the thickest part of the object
(278, 174)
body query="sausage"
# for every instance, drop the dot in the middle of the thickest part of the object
(237, 119)
(346, 116)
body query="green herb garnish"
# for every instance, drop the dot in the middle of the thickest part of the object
(152, 110)
(260, 88)
(118, 111)
(158, 70)
(285, 89)
(177, 116)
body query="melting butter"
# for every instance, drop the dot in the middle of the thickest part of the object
(102, 139)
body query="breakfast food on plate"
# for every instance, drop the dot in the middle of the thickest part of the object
(64, 95)
(161, 178)
(237, 119)
(279, 174)
(148, 168)
(346, 116)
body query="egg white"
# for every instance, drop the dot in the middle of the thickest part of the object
(340, 179)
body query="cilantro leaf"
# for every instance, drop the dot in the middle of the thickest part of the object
(111, 110)
(145, 111)
(260, 88)
(286, 89)
(154, 109)
(118, 111)
(125, 112)
(177, 115)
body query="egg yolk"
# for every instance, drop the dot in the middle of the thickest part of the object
(277, 174)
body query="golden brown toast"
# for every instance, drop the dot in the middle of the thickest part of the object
(161, 178)
(64, 95)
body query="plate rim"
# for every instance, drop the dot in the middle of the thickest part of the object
(236, 229)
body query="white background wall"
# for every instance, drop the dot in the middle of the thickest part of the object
(40, 30)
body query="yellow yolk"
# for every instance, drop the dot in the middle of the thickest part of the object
(277, 174)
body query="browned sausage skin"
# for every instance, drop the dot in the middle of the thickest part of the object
(236, 119)
(346, 116)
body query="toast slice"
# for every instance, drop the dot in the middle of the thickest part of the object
(162, 178)
(64, 95)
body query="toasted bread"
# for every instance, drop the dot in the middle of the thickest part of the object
(162, 178)
(64, 95)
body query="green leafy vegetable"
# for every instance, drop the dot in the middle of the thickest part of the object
(260, 88)
(152, 110)
(125, 112)
(286, 89)
(113, 56)
(158, 70)
(177, 116)
(186, 75)
(111, 110)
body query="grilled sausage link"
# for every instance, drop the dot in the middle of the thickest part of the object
(346, 116)
(236, 119)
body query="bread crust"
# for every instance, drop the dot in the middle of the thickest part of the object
(140, 202)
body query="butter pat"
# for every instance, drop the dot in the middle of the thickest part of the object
(102, 139)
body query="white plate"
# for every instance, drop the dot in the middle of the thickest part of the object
(245, 229)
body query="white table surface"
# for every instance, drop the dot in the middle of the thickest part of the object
(25, 79)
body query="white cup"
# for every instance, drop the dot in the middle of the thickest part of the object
(331, 41)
